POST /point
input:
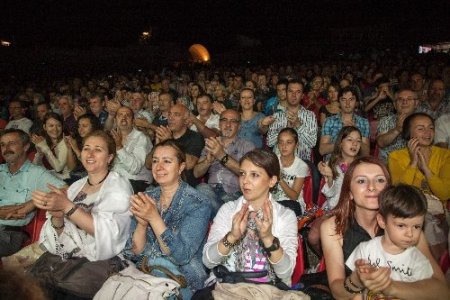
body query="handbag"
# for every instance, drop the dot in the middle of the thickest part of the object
(77, 276)
(162, 267)
(131, 283)
(225, 276)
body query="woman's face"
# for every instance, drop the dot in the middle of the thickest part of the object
(422, 128)
(84, 127)
(194, 91)
(368, 181)
(332, 94)
(53, 128)
(351, 144)
(286, 144)
(247, 100)
(255, 182)
(166, 168)
(95, 156)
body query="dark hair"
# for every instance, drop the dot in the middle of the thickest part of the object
(406, 131)
(207, 96)
(24, 137)
(21, 103)
(282, 81)
(14, 285)
(291, 131)
(111, 144)
(169, 94)
(57, 117)
(247, 89)
(95, 122)
(348, 89)
(265, 159)
(296, 81)
(345, 209)
(336, 155)
(402, 201)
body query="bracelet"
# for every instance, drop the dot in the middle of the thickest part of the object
(71, 211)
(352, 283)
(54, 226)
(227, 244)
(348, 289)
(224, 159)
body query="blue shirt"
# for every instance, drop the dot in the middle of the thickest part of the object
(249, 130)
(17, 188)
(186, 220)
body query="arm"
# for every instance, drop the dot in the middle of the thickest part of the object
(203, 129)
(334, 259)
(365, 146)
(400, 169)
(432, 288)
(134, 154)
(58, 161)
(202, 166)
(325, 145)
(384, 139)
(438, 178)
(294, 191)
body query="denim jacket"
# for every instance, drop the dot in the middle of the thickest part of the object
(187, 225)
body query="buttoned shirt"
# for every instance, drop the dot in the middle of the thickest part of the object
(17, 188)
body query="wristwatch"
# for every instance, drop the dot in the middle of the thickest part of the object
(275, 246)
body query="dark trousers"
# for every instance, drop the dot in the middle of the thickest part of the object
(11, 240)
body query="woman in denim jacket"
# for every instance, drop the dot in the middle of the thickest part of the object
(171, 221)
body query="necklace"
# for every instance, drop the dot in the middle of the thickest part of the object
(92, 184)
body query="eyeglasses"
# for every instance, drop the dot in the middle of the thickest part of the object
(225, 120)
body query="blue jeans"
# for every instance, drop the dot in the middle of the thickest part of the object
(217, 196)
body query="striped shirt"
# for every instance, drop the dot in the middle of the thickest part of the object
(307, 132)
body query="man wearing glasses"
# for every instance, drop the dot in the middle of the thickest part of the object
(220, 160)
(389, 130)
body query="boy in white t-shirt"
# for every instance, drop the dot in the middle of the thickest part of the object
(402, 210)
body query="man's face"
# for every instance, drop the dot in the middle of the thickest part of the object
(229, 123)
(64, 106)
(204, 106)
(237, 82)
(16, 111)
(165, 102)
(294, 94)
(96, 105)
(12, 148)
(436, 91)
(416, 82)
(177, 120)
(347, 102)
(137, 102)
(41, 111)
(281, 92)
(165, 85)
(406, 102)
(124, 118)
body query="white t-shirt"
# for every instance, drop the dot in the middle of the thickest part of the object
(212, 122)
(298, 169)
(409, 266)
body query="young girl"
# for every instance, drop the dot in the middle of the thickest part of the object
(293, 172)
(346, 149)
(51, 148)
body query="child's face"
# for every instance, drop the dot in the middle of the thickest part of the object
(400, 233)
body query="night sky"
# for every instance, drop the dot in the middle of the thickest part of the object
(214, 23)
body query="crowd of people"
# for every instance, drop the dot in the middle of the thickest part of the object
(203, 168)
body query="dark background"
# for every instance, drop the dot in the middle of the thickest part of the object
(215, 23)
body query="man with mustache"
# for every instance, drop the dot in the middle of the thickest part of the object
(18, 177)
(220, 159)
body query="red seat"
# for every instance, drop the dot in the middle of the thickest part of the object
(308, 192)
(321, 197)
(34, 227)
(444, 261)
(299, 268)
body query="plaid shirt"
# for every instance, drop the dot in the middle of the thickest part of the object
(334, 124)
(386, 124)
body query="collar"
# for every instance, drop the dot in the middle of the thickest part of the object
(24, 168)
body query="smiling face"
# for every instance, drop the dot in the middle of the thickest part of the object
(367, 182)
(13, 149)
(254, 182)
(247, 100)
(166, 168)
(229, 123)
(95, 156)
(400, 233)
(422, 128)
(351, 144)
(96, 105)
(53, 128)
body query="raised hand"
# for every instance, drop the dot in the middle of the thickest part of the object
(265, 225)
(239, 223)
(144, 208)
